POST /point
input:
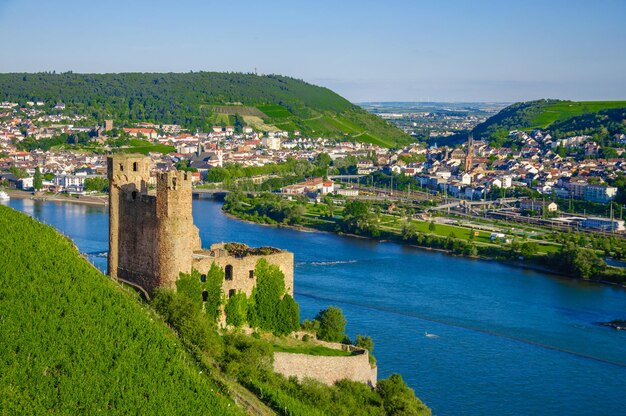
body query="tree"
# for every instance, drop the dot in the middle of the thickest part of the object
(96, 184)
(432, 227)
(237, 310)
(38, 180)
(288, 316)
(18, 172)
(398, 398)
(358, 219)
(332, 324)
(193, 286)
(266, 296)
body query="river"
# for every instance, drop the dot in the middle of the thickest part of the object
(471, 337)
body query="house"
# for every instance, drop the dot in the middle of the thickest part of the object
(328, 187)
(149, 133)
(600, 194)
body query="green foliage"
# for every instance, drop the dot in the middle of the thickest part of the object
(19, 172)
(37, 179)
(579, 262)
(97, 184)
(398, 398)
(74, 342)
(237, 310)
(193, 101)
(358, 219)
(184, 166)
(269, 207)
(266, 296)
(332, 325)
(250, 361)
(287, 316)
(193, 325)
(562, 118)
(193, 287)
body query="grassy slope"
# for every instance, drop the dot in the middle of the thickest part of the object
(73, 342)
(564, 110)
(541, 114)
(187, 99)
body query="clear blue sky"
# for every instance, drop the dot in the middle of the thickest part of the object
(439, 50)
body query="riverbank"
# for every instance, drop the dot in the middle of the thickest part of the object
(76, 199)
(386, 236)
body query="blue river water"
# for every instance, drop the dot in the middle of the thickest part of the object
(471, 337)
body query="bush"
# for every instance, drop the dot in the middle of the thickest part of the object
(332, 325)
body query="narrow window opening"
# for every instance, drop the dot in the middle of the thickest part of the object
(134, 194)
(174, 182)
(205, 296)
(228, 271)
(134, 166)
(203, 278)
(231, 293)
(251, 274)
(121, 167)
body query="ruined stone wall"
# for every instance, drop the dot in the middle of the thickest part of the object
(242, 279)
(138, 242)
(327, 370)
(130, 209)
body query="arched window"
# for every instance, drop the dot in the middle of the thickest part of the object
(231, 293)
(228, 271)
(205, 296)
(134, 166)
(203, 278)
(121, 167)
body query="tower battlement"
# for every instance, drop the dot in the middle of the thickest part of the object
(151, 237)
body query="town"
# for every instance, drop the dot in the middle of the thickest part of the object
(48, 147)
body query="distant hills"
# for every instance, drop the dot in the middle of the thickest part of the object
(199, 100)
(561, 118)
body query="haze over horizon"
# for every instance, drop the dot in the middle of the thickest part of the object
(449, 51)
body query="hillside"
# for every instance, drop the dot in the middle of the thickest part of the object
(562, 118)
(74, 343)
(198, 100)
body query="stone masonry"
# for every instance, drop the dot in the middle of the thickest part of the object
(152, 237)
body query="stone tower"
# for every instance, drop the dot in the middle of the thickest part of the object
(151, 237)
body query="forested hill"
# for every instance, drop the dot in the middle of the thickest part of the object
(562, 118)
(202, 99)
(74, 343)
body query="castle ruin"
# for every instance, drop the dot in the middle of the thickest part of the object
(152, 237)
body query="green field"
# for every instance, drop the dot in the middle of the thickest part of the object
(275, 111)
(75, 342)
(145, 147)
(565, 110)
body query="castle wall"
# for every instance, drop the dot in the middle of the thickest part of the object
(325, 369)
(138, 242)
(177, 235)
(241, 268)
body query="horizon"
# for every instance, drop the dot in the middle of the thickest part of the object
(402, 51)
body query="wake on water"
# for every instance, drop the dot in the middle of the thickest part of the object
(324, 263)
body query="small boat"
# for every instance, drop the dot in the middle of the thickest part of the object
(427, 335)
(4, 196)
